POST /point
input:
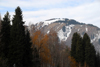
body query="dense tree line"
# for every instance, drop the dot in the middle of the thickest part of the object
(83, 51)
(15, 45)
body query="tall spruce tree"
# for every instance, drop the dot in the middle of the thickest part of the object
(89, 51)
(5, 35)
(79, 51)
(0, 22)
(27, 61)
(85, 39)
(82, 50)
(4, 39)
(36, 58)
(74, 44)
(89, 55)
(18, 41)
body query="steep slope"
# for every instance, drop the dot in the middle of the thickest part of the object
(66, 27)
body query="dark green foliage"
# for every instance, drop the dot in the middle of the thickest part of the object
(27, 60)
(82, 50)
(73, 45)
(5, 35)
(0, 23)
(15, 43)
(77, 48)
(93, 26)
(85, 40)
(36, 58)
(90, 55)
(17, 40)
(89, 51)
(4, 39)
(97, 60)
(18, 48)
(67, 21)
(79, 51)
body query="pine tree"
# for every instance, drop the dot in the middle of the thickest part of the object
(36, 58)
(79, 51)
(74, 44)
(18, 46)
(90, 55)
(0, 22)
(4, 39)
(0, 32)
(27, 61)
(89, 51)
(97, 60)
(5, 35)
(82, 50)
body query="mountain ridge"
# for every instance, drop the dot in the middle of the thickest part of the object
(66, 27)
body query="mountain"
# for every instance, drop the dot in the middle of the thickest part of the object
(66, 27)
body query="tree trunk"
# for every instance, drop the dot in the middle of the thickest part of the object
(79, 64)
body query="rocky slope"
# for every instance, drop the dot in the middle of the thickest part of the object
(66, 27)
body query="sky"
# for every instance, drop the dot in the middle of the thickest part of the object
(34, 11)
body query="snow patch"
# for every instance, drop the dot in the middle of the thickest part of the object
(96, 38)
(48, 32)
(51, 21)
(64, 35)
(81, 25)
(86, 29)
(62, 19)
(78, 29)
(93, 40)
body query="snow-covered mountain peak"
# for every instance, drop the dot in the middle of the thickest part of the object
(47, 22)
(65, 29)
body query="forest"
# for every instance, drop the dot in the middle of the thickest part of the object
(22, 47)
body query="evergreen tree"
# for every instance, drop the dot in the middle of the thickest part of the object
(73, 45)
(18, 41)
(97, 60)
(93, 56)
(0, 22)
(5, 35)
(89, 51)
(85, 39)
(4, 39)
(27, 61)
(82, 50)
(0, 32)
(79, 51)
(36, 58)
(90, 55)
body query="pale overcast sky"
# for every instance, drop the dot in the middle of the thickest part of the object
(86, 11)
